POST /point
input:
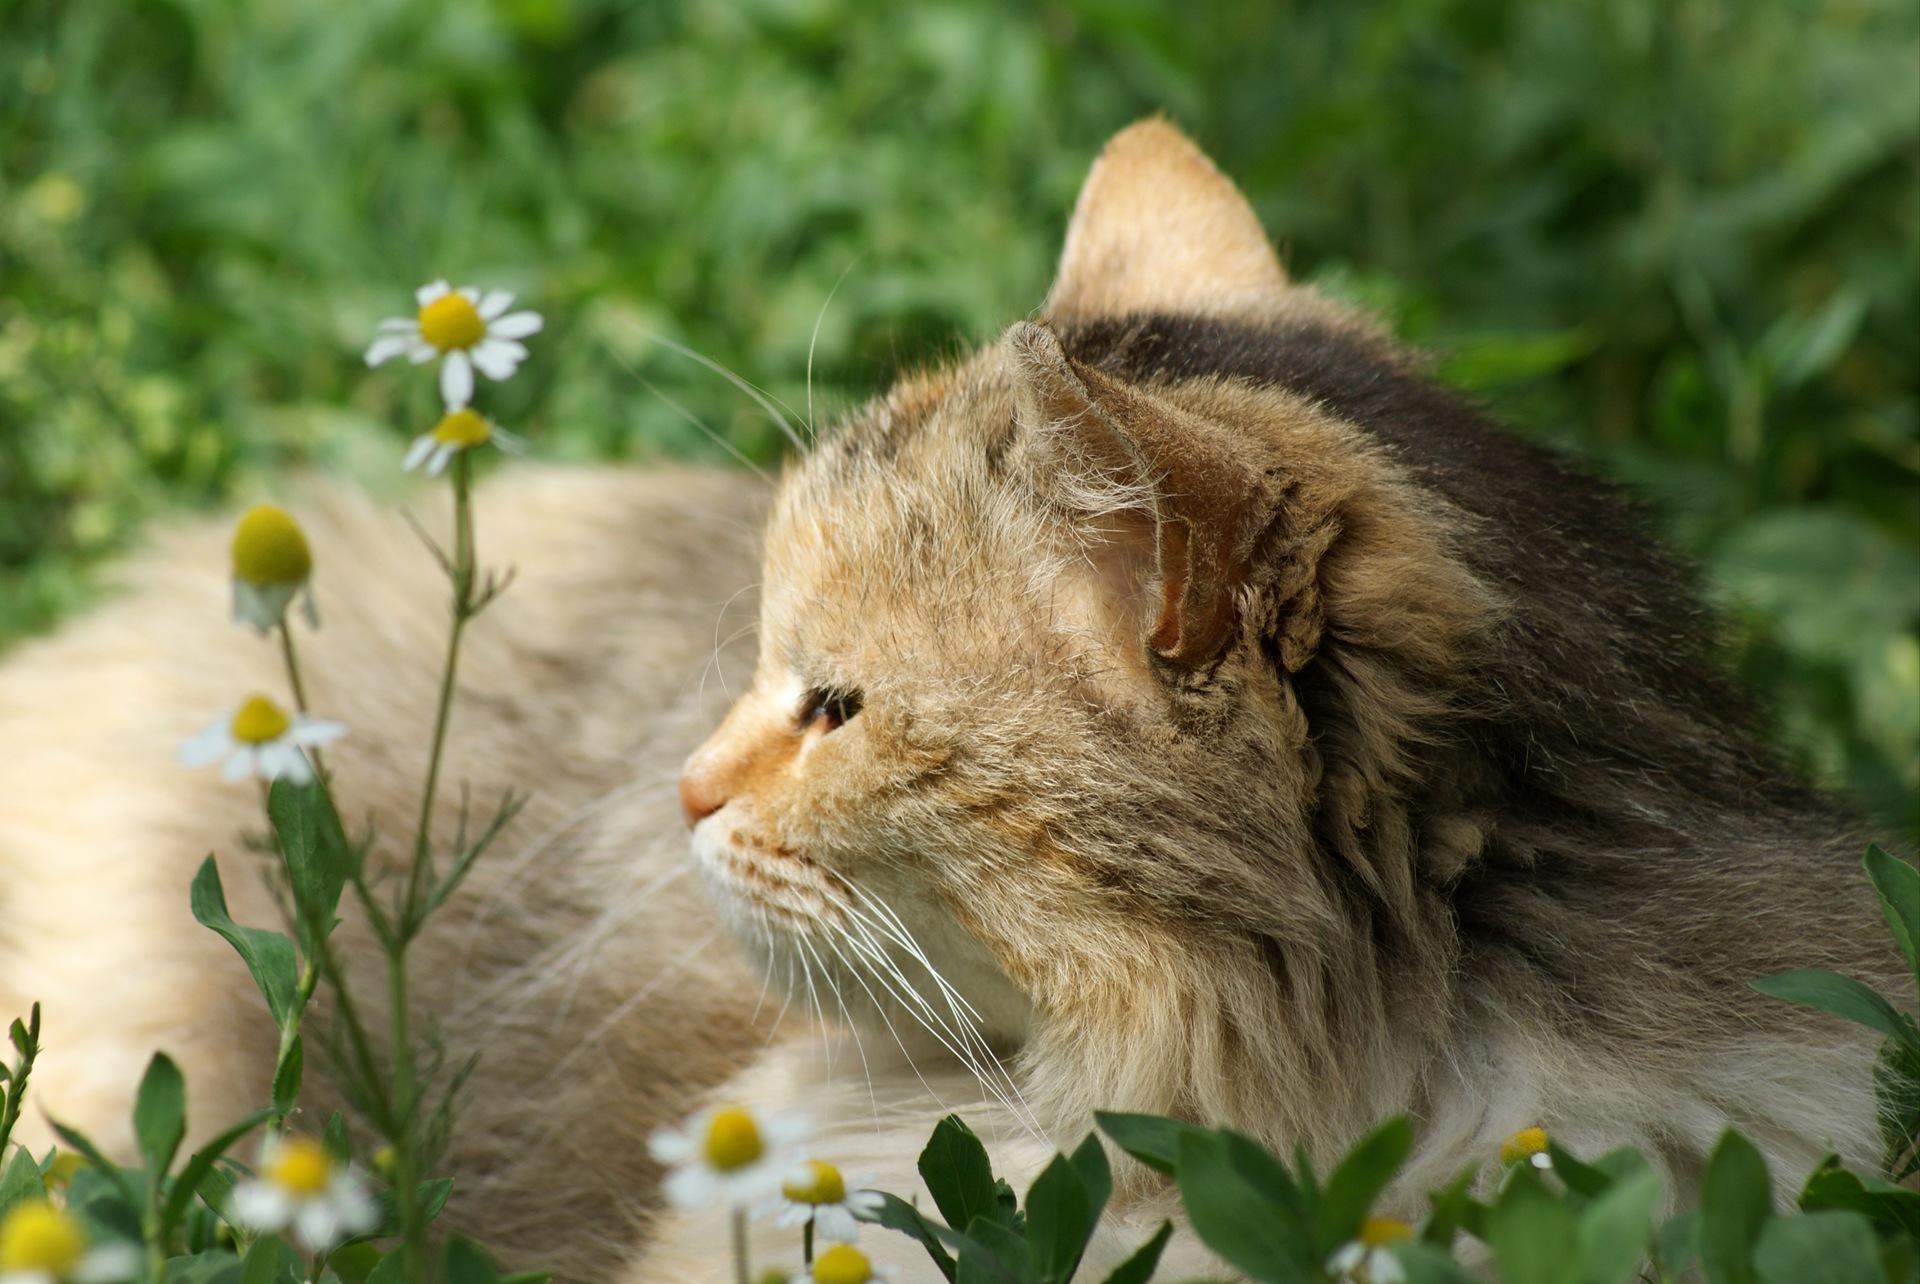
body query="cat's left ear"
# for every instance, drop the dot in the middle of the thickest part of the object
(1187, 493)
(1158, 229)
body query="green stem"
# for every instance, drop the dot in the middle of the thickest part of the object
(406, 1181)
(309, 978)
(806, 1243)
(292, 659)
(462, 574)
(740, 1246)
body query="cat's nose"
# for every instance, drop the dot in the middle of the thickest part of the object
(702, 791)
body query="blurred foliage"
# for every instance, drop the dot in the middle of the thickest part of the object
(1680, 238)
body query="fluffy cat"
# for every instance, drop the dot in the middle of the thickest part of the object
(1181, 705)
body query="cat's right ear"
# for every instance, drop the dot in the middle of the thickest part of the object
(1178, 492)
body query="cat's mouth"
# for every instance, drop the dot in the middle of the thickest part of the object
(771, 884)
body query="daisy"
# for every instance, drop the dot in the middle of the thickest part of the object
(1529, 1144)
(41, 1244)
(730, 1152)
(458, 430)
(271, 567)
(260, 739)
(302, 1185)
(1366, 1259)
(843, 1264)
(468, 329)
(815, 1191)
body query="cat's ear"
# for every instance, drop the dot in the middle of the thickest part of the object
(1158, 229)
(1181, 490)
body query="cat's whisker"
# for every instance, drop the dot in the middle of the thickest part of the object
(852, 1029)
(761, 398)
(890, 924)
(970, 1049)
(813, 433)
(881, 1009)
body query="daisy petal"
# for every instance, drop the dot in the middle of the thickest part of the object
(510, 442)
(419, 351)
(315, 731)
(456, 380)
(496, 302)
(208, 745)
(497, 359)
(437, 462)
(387, 347)
(238, 767)
(396, 325)
(470, 294)
(282, 761)
(428, 293)
(517, 325)
(422, 447)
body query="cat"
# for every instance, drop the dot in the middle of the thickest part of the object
(1183, 704)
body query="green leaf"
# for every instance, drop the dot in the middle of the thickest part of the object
(1004, 1247)
(897, 1214)
(319, 858)
(1826, 1247)
(1736, 1201)
(269, 1262)
(1454, 1210)
(464, 1262)
(103, 1169)
(216, 1267)
(198, 1169)
(527, 1277)
(1843, 997)
(160, 1114)
(287, 1076)
(1892, 1208)
(1089, 1159)
(1678, 1243)
(391, 1270)
(1616, 1228)
(958, 1174)
(1358, 1180)
(22, 1181)
(1234, 1217)
(1426, 1264)
(1152, 1139)
(1899, 886)
(1532, 1233)
(268, 955)
(353, 1262)
(1061, 1215)
(1139, 1268)
(334, 1138)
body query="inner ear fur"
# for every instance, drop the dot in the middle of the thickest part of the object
(1158, 229)
(1204, 500)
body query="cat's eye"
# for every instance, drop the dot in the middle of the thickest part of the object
(828, 708)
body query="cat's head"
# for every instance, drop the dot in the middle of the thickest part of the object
(1088, 670)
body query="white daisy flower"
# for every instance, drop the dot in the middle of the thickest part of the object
(469, 329)
(843, 1264)
(1366, 1259)
(729, 1152)
(41, 1244)
(816, 1190)
(261, 739)
(1529, 1144)
(458, 430)
(301, 1185)
(271, 567)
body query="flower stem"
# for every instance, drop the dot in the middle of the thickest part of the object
(406, 1181)
(740, 1246)
(806, 1243)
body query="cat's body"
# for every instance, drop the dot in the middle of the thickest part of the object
(1238, 725)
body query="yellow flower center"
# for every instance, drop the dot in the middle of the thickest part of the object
(1528, 1141)
(463, 429)
(269, 548)
(823, 1185)
(842, 1264)
(1378, 1232)
(733, 1139)
(259, 721)
(300, 1166)
(450, 322)
(59, 1173)
(36, 1236)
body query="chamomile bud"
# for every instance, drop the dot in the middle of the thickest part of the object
(42, 1244)
(843, 1264)
(1367, 1257)
(303, 1187)
(467, 330)
(271, 567)
(262, 740)
(729, 1152)
(1529, 1144)
(816, 1191)
(458, 430)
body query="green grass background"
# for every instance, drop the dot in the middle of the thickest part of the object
(1678, 238)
